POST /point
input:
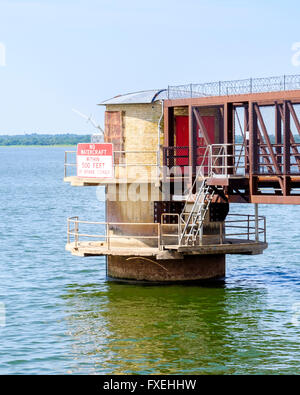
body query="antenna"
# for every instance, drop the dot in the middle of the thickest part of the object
(89, 119)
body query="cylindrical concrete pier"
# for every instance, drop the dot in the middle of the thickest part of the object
(198, 267)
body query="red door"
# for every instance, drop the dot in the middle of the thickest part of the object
(209, 123)
(182, 140)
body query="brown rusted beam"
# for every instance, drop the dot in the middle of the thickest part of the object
(221, 124)
(253, 149)
(278, 132)
(294, 115)
(267, 139)
(229, 112)
(265, 98)
(192, 145)
(274, 199)
(201, 126)
(292, 140)
(228, 123)
(169, 127)
(265, 153)
(246, 136)
(287, 186)
(253, 140)
(259, 137)
(286, 140)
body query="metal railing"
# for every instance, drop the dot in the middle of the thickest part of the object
(214, 159)
(74, 234)
(226, 159)
(170, 236)
(67, 164)
(221, 159)
(247, 226)
(238, 226)
(122, 160)
(265, 164)
(235, 87)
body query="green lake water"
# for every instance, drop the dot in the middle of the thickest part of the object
(63, 316)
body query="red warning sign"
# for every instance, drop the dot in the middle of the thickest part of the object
(94, 160)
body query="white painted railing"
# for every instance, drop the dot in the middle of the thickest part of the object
(238, 226)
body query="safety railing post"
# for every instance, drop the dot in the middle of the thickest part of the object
(226, 160)
(248, 226)
(265, 230)
(256, 222)
(107, 235)
(76, 228)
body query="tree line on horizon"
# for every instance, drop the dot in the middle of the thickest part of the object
(44, 139)
(68, 139)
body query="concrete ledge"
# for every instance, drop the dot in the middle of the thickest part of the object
(230, 246)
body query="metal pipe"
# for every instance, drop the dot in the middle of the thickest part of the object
(158, 139)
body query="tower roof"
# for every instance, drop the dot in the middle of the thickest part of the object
(142, 97)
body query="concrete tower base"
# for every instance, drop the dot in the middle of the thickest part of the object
(191, 268)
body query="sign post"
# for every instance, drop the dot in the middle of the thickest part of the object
(95, 160)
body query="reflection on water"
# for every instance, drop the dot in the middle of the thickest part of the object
(174, 329)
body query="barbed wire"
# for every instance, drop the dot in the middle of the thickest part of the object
(224, 88)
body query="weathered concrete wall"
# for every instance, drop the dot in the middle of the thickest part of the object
(143, 269)
(139, 133)
(133, 203)
(140, 125)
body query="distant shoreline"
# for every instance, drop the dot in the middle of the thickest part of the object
(43, 140)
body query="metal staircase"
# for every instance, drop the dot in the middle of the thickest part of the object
(191, 222)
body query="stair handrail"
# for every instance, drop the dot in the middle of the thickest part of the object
(198, 194)
(199, 173)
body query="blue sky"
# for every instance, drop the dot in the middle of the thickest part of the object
(64, 54)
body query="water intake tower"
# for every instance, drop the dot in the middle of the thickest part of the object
(172, 162)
